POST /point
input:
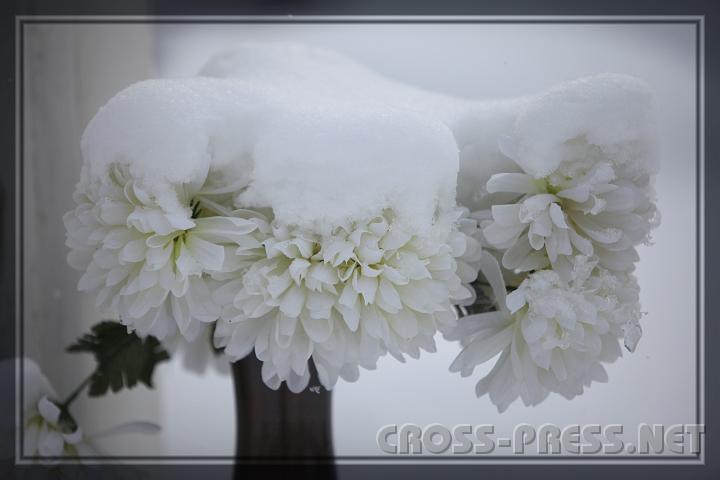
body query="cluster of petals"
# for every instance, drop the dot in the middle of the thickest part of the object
(591, 204)
(343, 296)
(150, 260)
(549, 335)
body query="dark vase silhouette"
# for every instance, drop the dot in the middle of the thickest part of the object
(277, 426)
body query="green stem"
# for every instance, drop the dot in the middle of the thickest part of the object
(66, 403)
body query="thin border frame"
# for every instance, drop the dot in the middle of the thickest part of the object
(700, 39)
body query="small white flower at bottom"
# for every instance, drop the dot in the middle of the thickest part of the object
(47, 436)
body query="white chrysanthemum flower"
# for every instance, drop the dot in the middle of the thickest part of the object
(552, 335)
(345, 296)
(148, 255)
(49, 434)
(594, 203)
(46, 437)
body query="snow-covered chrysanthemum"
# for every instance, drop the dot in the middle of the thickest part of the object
(552, 335)
(49, 433)
(148, 252)
(594, 203)
(346, 295)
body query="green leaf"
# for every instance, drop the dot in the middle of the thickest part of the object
(123, 359)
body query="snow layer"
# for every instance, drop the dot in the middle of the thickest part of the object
(609, 110)
(173, 131)
(317, 136)
(309, 157)
(321, 74)
(536, 132)
(337, 164)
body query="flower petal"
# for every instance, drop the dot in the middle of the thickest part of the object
(512, 183)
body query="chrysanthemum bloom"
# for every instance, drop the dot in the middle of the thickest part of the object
(149, 255)
(44, 436)
(345, 296)
(49, 434)
(595, 202)
(552, 335)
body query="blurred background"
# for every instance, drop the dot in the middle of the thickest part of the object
(70, 70)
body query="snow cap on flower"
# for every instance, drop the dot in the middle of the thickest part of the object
(611, 111)
(297, 149)
(329, 166)
(174, 131)
(551, 335)
(150, 231)
(586, 188)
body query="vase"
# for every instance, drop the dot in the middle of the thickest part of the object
(279, 425)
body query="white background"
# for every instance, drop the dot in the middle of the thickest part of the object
(656, 384)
